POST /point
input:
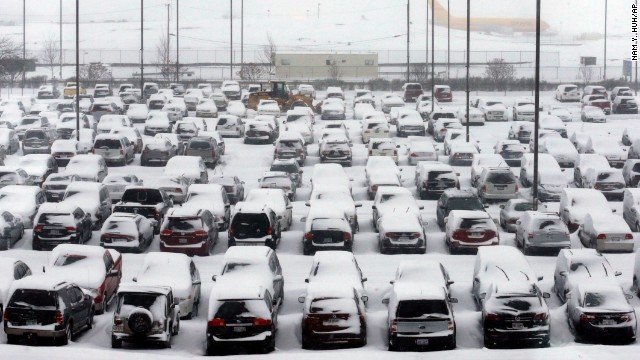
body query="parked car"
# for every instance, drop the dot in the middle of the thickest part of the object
(497, 184)
(138, 112)
(401, 232)
(116, 183)
(56, 184)
(541, 231)
(326, 228)
(90, 167)
(469, 230)
(600, 312)
(259, 132)
(551, 180)
(383, 147)
(374, 127)
(484, 161)
(337, 267)
(584, 162)
(433, 178)
(336, 148)
(567, 92)
(521, 131)
(524, 109)
(276, 200)
(625, 105)
(205, 147)
(92, 198)
(606, 232)
(609, 147)
(114, 149)
(38, 167)
(421, 150)
(631, 208)
(37, 308)
(190, 167)
(157, 151)
(575, 204)
(157, 123)
(392, 199)
(609, 182)
(60, 223)
(592, 114)
(12, 231)
(410, 123)
(561, 149)
(456, 199)
(511, 151)
(462, 153)
(151, 202)
(212, 197)
(63, 150)
(233, 186)
(493, 109)
(254, 223)
(513, 210)
(136, 319)
(575, 266)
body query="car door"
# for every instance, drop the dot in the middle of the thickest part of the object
(278, 280)
(111, 282)
(79, 311)
(195, 282)
(560, 280)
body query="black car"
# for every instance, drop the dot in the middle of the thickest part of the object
(149, 202)
(454, 199)
(42, 307)
(60, 223)
(254, 224)
(515, 314)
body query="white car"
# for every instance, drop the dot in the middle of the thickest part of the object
(230, 125)
(567, 92)
(301, 124)
(374, 127)
(333, 109)
(393, 199)
(277, 201)
(383, 147)
(157, 123)
(562, 112)
(469, 230)
(605, 232)
(191, 167)
(524, 109)
(551, 178)
(575, 204)
(609, 147)
(483, 161)
(443, 125)
(237, 108)
(336, 196)
(592, 114)
(211, 197)
(561, 149)
(117, 183)
(360, 109)
(138, 112)
(477, 117)
(551, 122)
(421, 150)
(108, 122)
(206, 108)
(493, 110)
(575, 266)
(390, 101)
(410, 123)
(456, 136)
(268, 107)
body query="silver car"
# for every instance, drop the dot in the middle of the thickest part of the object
(497, 184)
(541, 231)
(114, 148)
(117, 183)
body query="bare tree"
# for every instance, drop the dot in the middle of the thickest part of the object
(420, 73)
(251, 71)
(11, 67)
(586, 73)
(95, 72)
(50, 53)
(500, 73)
(164, 60)
(268, 55)
(334, 70)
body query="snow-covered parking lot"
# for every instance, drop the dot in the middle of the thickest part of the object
(248, 162)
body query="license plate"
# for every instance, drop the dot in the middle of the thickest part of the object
(608, 322)
(422, 342)
(31, 322)
(615, 238)
(183, 240)
(517, 325)
(331, 321)
(55, 232)
(239, 329)
(403, 238)
(500, 187)
(476, 234)
(327, 240)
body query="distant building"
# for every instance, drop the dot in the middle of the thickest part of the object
(326, 66)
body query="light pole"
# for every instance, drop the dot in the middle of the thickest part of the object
(426, 58)
(141, 51)
(24, 39)
(468, 61)
(241, 34)
(448, 37)
(78, 70)
(231, 40)
(60, 74)
(408, 62)
(433, 79)
(534, 189)
(177, 42)
(604, 75)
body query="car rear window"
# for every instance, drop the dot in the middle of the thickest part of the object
(35, 135)
(242, 309)
(437, 116)
(184, 224)
(570, 88)
(101, 107)
(549, 224)
(186, 128)
(251, 224)
(523, 207)
(421, 308)
(29, 121)
(120, 226)
(143, 196)
(293, 169)
(501, 178)
(199, 145)
(68, 259)
(34, 299)
(435, 175)
(289, 144)
(55, 219)
(333, 305)
(107, 144)
(636, 168)
(8, 178)
(414, 87)
(383, 145)
(475, 224)
(465, 203)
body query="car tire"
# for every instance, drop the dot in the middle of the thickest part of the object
(68, 334)
(167, 343)
(90, 319)
(13, 339)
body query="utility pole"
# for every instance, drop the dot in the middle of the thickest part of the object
(60, 74)
(78, 70)
(241, 34)
(468, 61)
(231, 41)
(433, 78)
(318, 11)
(534, 189)
(142, 51)
(636, 81)
(177, 42)
(168, 52)
(604, 75)
(24, 39)
(408, 62)
(426, 58)
(448, 37)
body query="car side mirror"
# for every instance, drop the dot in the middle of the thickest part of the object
(114, 272)
(546, 295)
(501, 206)
(196, 282)
(278, 278)
(392, 282)
(279, 217)
(43, 269)
(307, 203)
(373, 207)
(614, 210)
(421, 207)
(540, 278)
(364, 279)
(482, 296)
(385, 301)
(450, 282)
(618, 273)
(301, 299)
(358, 205)
(306, 280)
(176, 308)
(562, 273)
(628, 296)
(135, 279)
(364, 298)
(213, 277)
(446, 220)
(453, 300)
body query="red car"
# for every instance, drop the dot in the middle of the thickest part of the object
(443, 93)
(598, 100)
(93, 268)
(189, 231)
(411, 91)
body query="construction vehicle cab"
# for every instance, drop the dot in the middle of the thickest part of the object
(280, 92)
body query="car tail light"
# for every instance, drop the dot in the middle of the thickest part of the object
(178, 190)
(59, 318)
(71, 228)
(541, 317)
(261, 322)
(489, 234)
(492, 317)
(121, 152)
(117, 320)
(200, 233)
(370, 152)
(6, 316)
(213, 152)
(346, 237)
(394, 326)
(450, 325)
(601, 237)
(156, 215)
(166, 232)
(395, 152)
(286, 188)
(216, 322)
(597, 186)
(459, 234)
(38, 228)
(308, 236)
(627, 317)
(93, 151)
(374, 188)
(269, 231)
(586, 318)
(146, 150)
(530, 236)
(628, 236)
(484, 188)
(413, 154)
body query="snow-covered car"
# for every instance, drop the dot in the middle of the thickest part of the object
(337, 266)
(338, 197)
(212, 197)
(9, 140)
(454, 136)
(138, 112)
(392, 199)
(157, 122)
(149, 312)
(601, 312)
(333, 110)
(229, 125)
(89, 167)
(421, 149)
(634, 149)
(219, 99)
(10, 175)
(437, 114)
(12, 269)
(333, 315)
(442, 125)
(567, 92)
(482, 161)
(175, 186)
(492, 109)
(592, 114)
(258, 132)
(625, 105)
(307, 90)
(56, 184)
(477, 116)
(524, 109)
(629, 135)
(11, 231)
(132, 134)
(157, 151)
(23, 201)
(237, 108)
(497, 184)
(174, 112)
(191, 167)
(92, 197)
(268, 107)
(631, 172)
(300, 124)
(462, 153)
(335, 148)
(521, 131)
(87, 138)
(586, 162)
(575, 204)
(390, 101)
(401, 232)
(432, 178)
(361, 108)
(108, 122)
(290, 145)
(114, 149)
(609, 182)
(395, 113)
(410, 123)
(511, 212)
(63, 150)
(30, 122)
(278, 180)
(326, 228)
(149, 201)
(276, 200)
(93, 268)
(374, 127)
(609, 147)
(206, 108)
(601, 101)
(542, 231)
(377, 180)
(604, 231)
(551, 122)
(330, 174)
(116, 183)
(383, 147)
(551, 180)
(127, 232)
(469, 230)
(562, 112)
(561, 149)
(576, 266)
(511, 151)
(38, 167)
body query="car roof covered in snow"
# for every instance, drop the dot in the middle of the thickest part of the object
(418, 291)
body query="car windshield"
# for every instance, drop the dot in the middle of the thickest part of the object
(29, 121)
(549, 224)
(34, 299)
(397, 198)
(186, 128)
(142, 196)
(101, 107)
(124, 226)
(332, 305)
(290, 144)
(107, 144)
(603, 299)
(491, 103)
(435, 175)
(421, 308)
(141, 300)
(184, 224)
(414, 87)
(276, 181)
(68, 259)
(610, 177)
(35, 135)
(570, 88)
(465, 203)
(241, 309)
(523, 207)
(387, 145)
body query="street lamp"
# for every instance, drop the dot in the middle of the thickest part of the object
(534, 189)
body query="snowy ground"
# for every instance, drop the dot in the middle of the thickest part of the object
(248, 162)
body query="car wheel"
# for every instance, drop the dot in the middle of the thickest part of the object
(90, 319)
(13, 339)
(525, 248)
(68, 334)
(634, 287)
(167, 343)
